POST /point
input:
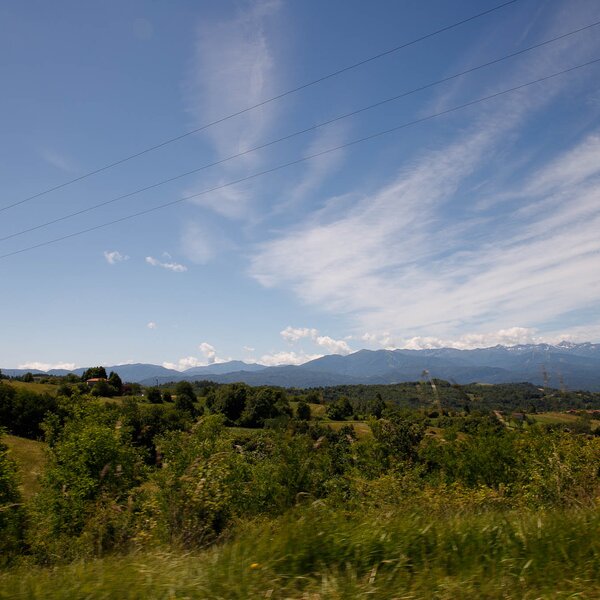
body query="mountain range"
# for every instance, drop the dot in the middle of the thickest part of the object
(573, 366)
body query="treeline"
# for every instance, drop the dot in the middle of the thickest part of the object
(522, 397)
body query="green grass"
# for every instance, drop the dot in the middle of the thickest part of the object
(560, 417)
(317, 553)
(316, 410)
(361, 428)
(38, 388)
(30, 457)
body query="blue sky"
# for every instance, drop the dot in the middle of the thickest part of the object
(470, 229)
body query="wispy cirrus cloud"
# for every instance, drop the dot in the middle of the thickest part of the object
(58, 160)
(232, 68)
(428, 257)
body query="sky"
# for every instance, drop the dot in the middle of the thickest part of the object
(470, 228)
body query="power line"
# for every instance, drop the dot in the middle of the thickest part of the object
(297, 133)
(304, 158)
(262, 103)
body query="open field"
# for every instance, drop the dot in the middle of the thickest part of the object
(360, 427)
(316, 410)
(38, 388)
(30, 457)
(561, 417)
(318, 553)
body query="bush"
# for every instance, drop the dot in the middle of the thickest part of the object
(11, 511)
(303, 411)
(92, 467)
(23, 411)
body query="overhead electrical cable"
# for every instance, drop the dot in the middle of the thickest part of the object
(304, 158)
(258, 105)
(297, 133)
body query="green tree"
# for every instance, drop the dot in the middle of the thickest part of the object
(377, 406)
(340, 409)
(398, 438)
(230, 400)
(102, 389)
(266, 403)
(115, 382)
(167, 396)
(303, 411)
(313, 397)
(94, 373)
(91, 469)
(22, 411)
(153, 395)
(185, 398)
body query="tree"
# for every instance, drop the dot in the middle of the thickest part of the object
(27, 378)
(267, 403)
(230, 400)
(313, 397)
(22, 411)
(154, 396)
(398, 438)
(91, 468)
(303, 411)
(94, 373)
(115, 381)
(185, 398)
(340, 409)
(377, 406)
(102, 389)
(167, 396)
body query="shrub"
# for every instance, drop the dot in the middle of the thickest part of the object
(11, 511)
(91, 469)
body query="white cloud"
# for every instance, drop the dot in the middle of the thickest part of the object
(248, 348)
(286, 358)
(184, 363)
(511, 336)
(114, 257)
(333, 346)
(208, 351)
(294, 334)
(151, 325)
(171, 266)
(42, 366)
(209, 357)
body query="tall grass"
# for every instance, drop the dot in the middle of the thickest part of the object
(316, 552)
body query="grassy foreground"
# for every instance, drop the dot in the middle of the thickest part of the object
(318, 553)
(30, 457)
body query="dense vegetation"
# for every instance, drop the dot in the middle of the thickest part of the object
(284, 495)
